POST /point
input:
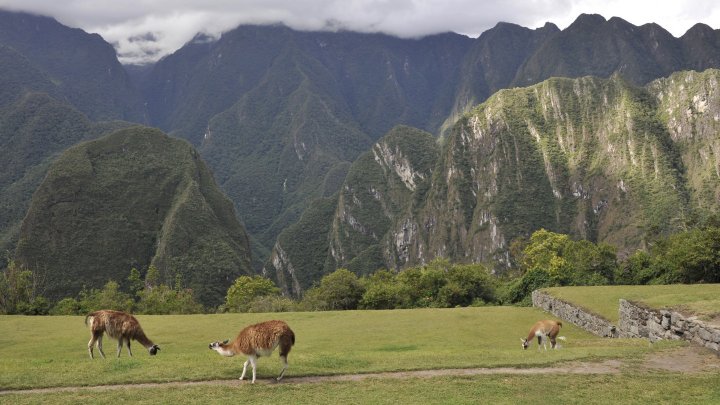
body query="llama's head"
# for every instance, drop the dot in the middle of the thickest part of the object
(525, 343)
(153, 349)
(218, 347)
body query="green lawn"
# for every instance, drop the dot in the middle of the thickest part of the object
(51, 351)
(699, 299)
(653, 388)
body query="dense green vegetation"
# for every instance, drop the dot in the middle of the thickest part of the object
(546, 259)
(83, 68)
(132, 199)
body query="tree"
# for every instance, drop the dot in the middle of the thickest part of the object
(136, 282)
(165, 300)
(340, 289)
(383, 290)
(67, 306)
(424, 283)
(245, 289)
(110, 297)
(635, 269)
(20, 291)
(152, 278)
(691, 257)
(467, 283)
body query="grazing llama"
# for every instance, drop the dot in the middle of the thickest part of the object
(118, 325)
(258, 340)
(543, 330)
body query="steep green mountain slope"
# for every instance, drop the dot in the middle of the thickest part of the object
(492, 62)
(36, 124)
(238, 97)
(286, 141)
(280, 127)
(131, 199)
(81, 66)
(280, 115)
(689, 103)
(381, 79)
(594, 46)
(351, 229)
(599, 159)
(33, 131)
(589, 157)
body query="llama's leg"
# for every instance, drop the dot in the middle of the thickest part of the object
(540, 340)
(253, 360)
(128, 346)
(285, 366)
(91, 343)
(553, 342)
(119, 346)
(285, 346)
(242, 376)
(99, 346)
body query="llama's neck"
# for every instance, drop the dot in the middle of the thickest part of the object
(225, 350)
(143, 340)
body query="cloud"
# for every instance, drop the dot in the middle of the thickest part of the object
(144, 30)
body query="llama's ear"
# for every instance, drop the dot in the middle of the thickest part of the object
(226, 341)
(522, 340)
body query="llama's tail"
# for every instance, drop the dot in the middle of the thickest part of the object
(559, 324)
(88, 316)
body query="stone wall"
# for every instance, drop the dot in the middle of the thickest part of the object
(592, 323)
(636, 321)
(639, 321)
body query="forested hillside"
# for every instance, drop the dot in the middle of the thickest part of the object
(134, 198)
(343, 149)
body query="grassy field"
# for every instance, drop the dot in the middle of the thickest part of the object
(51, 351)
(491, 389)
(700, 299)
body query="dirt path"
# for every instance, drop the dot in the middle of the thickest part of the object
(688, 359)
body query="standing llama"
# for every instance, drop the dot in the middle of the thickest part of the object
(118, 325)
(258, 340)
(543, 330)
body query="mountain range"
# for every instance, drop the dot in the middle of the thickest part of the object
(304, 130)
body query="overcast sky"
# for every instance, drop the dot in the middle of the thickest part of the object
(145, 30)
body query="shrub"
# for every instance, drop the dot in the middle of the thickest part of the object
(110, 297)
(165, 300)
(245, 289)
(340, 289)
(66, 306)
(383, 290)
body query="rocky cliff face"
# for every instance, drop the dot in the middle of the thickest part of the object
(351, 229)
(689, 103)
(599, 159)
(588, 157)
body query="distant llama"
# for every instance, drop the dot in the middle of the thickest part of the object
(259, 340)
(118, 325)
(543, 330)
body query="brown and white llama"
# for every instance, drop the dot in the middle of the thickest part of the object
(120, 326)
(258, 340)
(543, 330)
